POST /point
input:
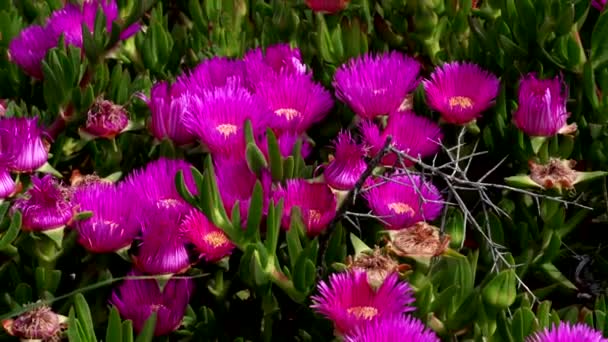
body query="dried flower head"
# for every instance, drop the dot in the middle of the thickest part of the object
(392, 329)
(419, 240)
(106, 119)
(449, 91)
(40, 323)
(556, 174)
(376, 264)
(568, 332)
(373, 85)
(349, 300)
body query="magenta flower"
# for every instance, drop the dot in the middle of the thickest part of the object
(163, 248)
(541, 110)
(450, 93)
(275, 60)
(373, 85)
(347, 165)
(567, 332)
(218, 116)
(45, 206)
(392, 329)
(29, 48)
(90, 9)
(599, 4)
(106, 119)
(350, 301)
(215, 72)
(114, 223)
(404, 200)
(316, 202)
(416, 136)
(210, 241)
(327, 6)
(153, 186)
(167, 105)
(23, 137)
(286, 141)
(7, 183)
(67, 21)
(296, 101)
(137, 299)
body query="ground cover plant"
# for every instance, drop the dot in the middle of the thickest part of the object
(319, 170)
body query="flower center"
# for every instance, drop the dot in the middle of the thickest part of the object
(461, 101)
(288, 113)
(156, 307)
(365, 312)
(215, 239)
(226, 129)
(401, 208)
(168, 203)
(314, 216)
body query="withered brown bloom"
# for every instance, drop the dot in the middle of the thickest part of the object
(40, 323)
(555, 174)
(421, 239)
(376, 264)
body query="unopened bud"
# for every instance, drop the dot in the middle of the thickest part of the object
(106, 119)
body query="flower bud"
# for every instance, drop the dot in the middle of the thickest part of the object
(106, 119)
(500, 292)
(40, 323)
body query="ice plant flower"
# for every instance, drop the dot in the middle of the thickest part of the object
(45, 206)
(67, 22)
(599, 4)
(327, 6)
(392, 329)
(90, 8)
(347, 165)
(449, 91)
(29, 48)
(566, 332)
(277, 59)
(40, 324)
(217, 117)
(106, 119)
(137, 299)
(167, 104)
(210, 241)
(414, 135)
(215, 72)
(403, 200)
(376, 264)
(349, 300)
(287, 141)
(541, 110)
(163, 248)
(27, 147)
(153, 186)
(419, 240)
(114, 223)
(373, 85)
(316, 202)
(7, 183)
(296, 101)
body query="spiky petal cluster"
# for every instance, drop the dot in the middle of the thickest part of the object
(414, 135)
(392, 329)
(316, 202)
(210, 241)
(7, 183)
(404, 200)
(137, 299)
(327, 6)
(216, 72)
(349, 300)
(566, 332)
(373, 85)
(344, 170)
(45, 205)
(450, 92)
(109, 8)
(541, 110)
(296, 102)
(167, 104)
(114, 223)
(162, 249)
(153, 186)
(277, 59)
(217, 117)
(29, 48)
(106, 119)
(26, 145)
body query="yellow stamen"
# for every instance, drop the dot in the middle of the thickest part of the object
(215, 239)
(461, 101)
(288, 113)
(226, 129)
(365, 312)
(401, 208)
(314, 216)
